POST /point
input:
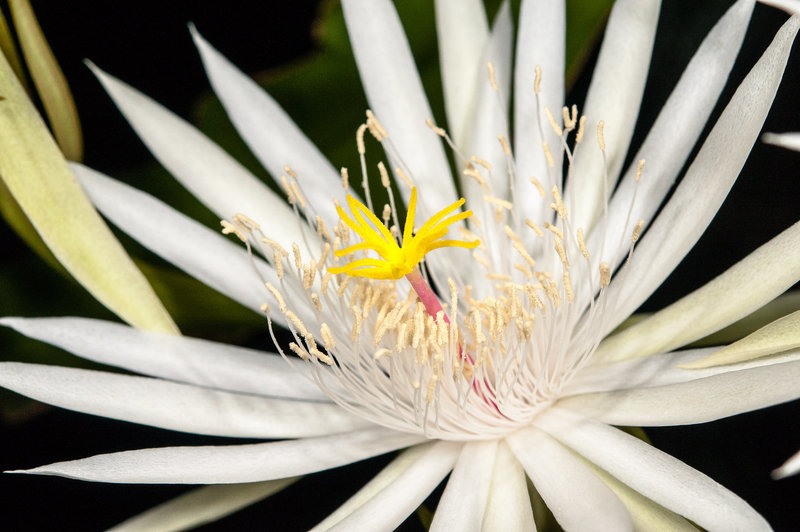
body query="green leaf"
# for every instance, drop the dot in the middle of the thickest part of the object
(36, 173)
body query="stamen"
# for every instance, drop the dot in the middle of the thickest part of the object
(492, 79)
(345, 179)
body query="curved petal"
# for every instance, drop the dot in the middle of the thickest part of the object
(462, 31)
(463, 502)
(509, 505)
(696, 401)
(231, 464)
(659, 370)
(175, 406)
(748, 285)
(614, 96)
(790, 467)
(269, 132)
(790, 141)
(674, 133)
(209, 173)
(656, 475)
(204, 254)
(178, 358)
(378, 483)
(541, 42)
(780, 335)
(578, 499)
(395, 93)
(200, 506)
(389, 507)
(706, 183)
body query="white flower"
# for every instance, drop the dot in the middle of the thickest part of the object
(516, 376)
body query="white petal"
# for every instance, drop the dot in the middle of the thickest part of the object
(578, 499)
(674, 133)
(664, 479)
(697, 401)
(204, 254)
(178, 358)
(200, 506)
(509, 504)
(790, 6)
(269, 132)
(659, 370)
(707, 181)
(743, 288)
(488, 120)
(395, 93)
(541, 41)
(463, 502)
(790, 467)
(462, 31)
(646, 514)
(231, 464)
(780, 335)
(785, 140)
(175, 406)
(209, 173)
(614, 96)
(389, 507)
(378, 483)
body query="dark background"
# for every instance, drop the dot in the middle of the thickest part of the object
(146, 43)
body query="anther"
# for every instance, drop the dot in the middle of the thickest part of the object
(504, 144)
(581, 130)
(228, 228)
(298, 259)
(327, 337)
(605, 274)
(601, 140)
(637, 230)
(560, 207)
(386, 214)
(549, 156)
(582, 244)
(277, 263)
(568, 288)
(287, 190)
(288, 169)
(639, 169)
(530, 223)
(360, 139)
(553, 229)
(277, 295)
(539, 187)
(492, 79)
(384, 175)
(345, 179)
(499, 202)
(436, 129)
(537, 80)
(553, 124)
(402, 175)
(375, 127)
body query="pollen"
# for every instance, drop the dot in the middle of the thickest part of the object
(396, 260)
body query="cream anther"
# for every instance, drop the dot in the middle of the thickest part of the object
(582, 244)
(601, 140)
(505, 145)
(277, 295)
(436, 129)
(360, 139)
(581, 130)
(481, 162)
(549, 156)
(228, 228)
(605, 274)
(561, 209)
(375, 127)
(345, 179)
(639, 169)
(537, 80)
(553, 124)
(403, 177)
(492, 79)
(637, 230)
(288, 190)
(499, 202)
(539, 187)
(530, 223)
(384, 175)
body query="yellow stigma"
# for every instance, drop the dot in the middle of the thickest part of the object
(396, 261)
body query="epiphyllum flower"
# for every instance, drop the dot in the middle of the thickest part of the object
(490, 368)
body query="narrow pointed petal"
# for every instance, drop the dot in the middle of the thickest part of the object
(614, 97)
(200, 506)
(789, 468)
(378, 483)
(462, 31)
(784, 140)
(489, 118)
(769, 271)
(231, 464)
(696, 401)
(390, 507)
(674, 133)
(395, 93)
(780, 335)
(646, 514)
(269, 132)
(660, 370)
(178, 358)
(463, 502)
(175, 406)
(209, 173)
(204, 254)
(578, 499)
(509, 505)
(707, 181)
(541, 42)
(656, 475)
